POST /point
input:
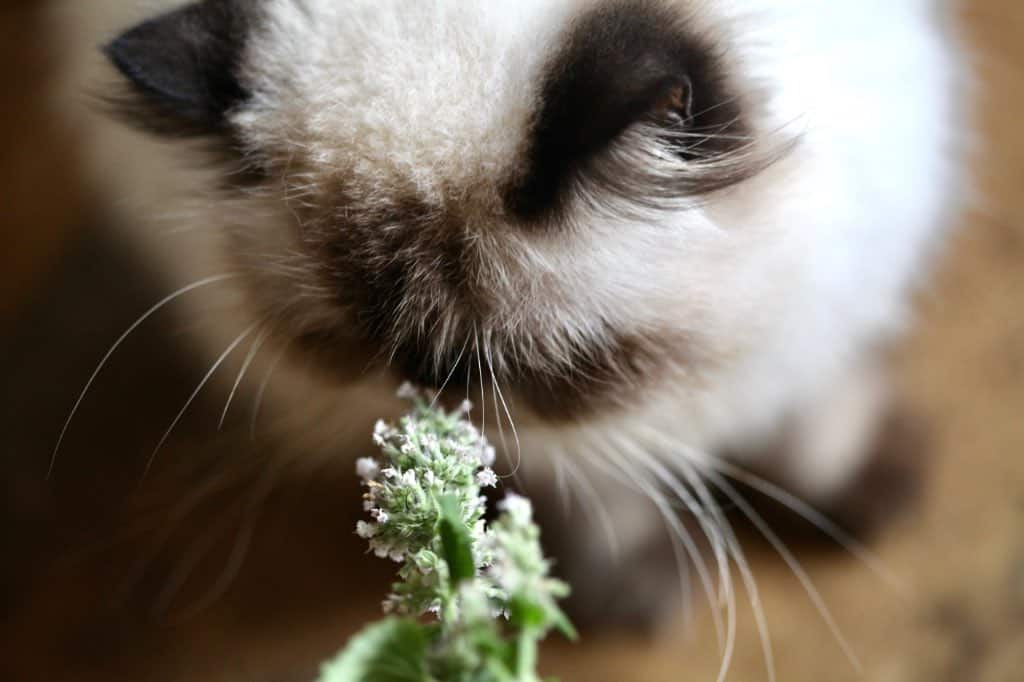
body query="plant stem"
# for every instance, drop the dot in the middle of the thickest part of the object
(527, 658)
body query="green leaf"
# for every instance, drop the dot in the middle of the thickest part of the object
(525, 614)
(563, 624)
(456, 542)
(497, 671)
(392, 650)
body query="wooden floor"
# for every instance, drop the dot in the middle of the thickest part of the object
(85, 592)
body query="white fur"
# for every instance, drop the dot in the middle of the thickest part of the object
(783, 283)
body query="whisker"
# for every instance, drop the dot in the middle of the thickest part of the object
(673, 522)
(469, 375)
(815, 518)
(709, 530)
(494, 401)
(483, 400)
(188, 403)
(562, 485)
(593, 500)
(235, 561)
(727, 536)
(511, 422)
(186, 566)
(117, 344)
(724, 103)
(725, 533)
(240, 548)
(721, 532)
(182, 509)
(261, 392)
(451, 373)
(692, 554)
(256, 345)
(787, 556)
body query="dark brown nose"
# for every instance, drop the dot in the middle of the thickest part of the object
(418, 363)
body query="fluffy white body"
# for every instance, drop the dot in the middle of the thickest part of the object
(784, 285)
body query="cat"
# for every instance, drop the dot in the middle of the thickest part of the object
(638, 234)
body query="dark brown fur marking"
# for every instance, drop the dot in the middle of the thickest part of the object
(411, 291)
(622, 64)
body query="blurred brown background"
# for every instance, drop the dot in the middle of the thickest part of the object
(105, 580)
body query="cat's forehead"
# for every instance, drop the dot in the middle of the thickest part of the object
(442, 93)
(444, 84)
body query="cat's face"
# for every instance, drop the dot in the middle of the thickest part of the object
(566, 197)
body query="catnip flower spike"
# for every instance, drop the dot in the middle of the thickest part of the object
(472, 600)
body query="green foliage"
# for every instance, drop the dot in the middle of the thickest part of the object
(488, 587)
(455, 541)
(392, 650)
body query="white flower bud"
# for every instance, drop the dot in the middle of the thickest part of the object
(367, 468)
(517, 507)
(487, 455)
(407, 391)
(380, 432)
(486, 478)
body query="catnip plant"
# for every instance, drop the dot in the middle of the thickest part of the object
(473, 599)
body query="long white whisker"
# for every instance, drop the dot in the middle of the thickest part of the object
(242, 543)
(589, 494)
(117, 344)
(261, 392)
(186, 565)
(750, 584)
(562, 485)
(671, 519)
(713, 533)
(494, 399)
(451, 373)
(733, 549)
(787, 556)
(720, 532)
(181, 510)
(692, 553)
(726, 534)
(483, 399)
(209, 375)
(256, 345)
(511, 422)
(815, 518)
(233, 567)
(469, 375)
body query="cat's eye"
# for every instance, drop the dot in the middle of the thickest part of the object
(674, 106)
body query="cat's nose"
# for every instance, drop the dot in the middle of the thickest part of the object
(421, 365)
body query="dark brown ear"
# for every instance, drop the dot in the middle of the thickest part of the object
(182, 68)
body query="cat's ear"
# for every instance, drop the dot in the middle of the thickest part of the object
(182, 68)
